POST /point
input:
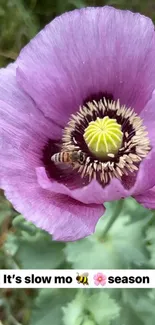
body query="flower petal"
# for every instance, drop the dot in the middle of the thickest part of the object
(20, 145)
(145, 178)
(11, 93)
(23, 113)
(147, 171)
(24, 130)
(63, 217)
(64, 64)
(147, 199)
(148, 116)
(93, 193)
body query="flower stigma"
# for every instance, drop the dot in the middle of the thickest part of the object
(103, 136)
(104, 140)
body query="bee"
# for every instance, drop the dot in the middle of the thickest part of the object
(83, 278)
(69, 157)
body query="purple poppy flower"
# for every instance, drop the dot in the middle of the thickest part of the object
(56, 168)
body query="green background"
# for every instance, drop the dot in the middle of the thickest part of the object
(130, 242)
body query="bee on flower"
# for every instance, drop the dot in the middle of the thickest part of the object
(77, 120)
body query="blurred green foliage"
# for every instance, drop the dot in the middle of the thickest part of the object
(130, 242)
(20, 20)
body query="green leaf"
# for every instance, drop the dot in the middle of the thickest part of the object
(103, 308)
(74, 311)
(89, 308)
(88, 322)
(48, 306)
(36, 250)
(123, 247)
(150, 239)
(137, 307)
(39, 252)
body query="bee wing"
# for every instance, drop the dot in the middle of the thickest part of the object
(85, 274)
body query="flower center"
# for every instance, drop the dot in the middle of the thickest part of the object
(104, 140)
(103, 136)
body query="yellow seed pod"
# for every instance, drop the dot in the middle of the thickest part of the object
(103, 136)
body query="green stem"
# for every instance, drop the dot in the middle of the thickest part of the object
(115, 214)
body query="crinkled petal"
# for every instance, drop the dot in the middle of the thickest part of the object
(147, 199)
(11, 93)
(87, 52)
(63, 217)
(23, 113)
(148, 116)
(93, 193)
(145, 178)
(20, 147)
(24, 131)
(147, 172)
